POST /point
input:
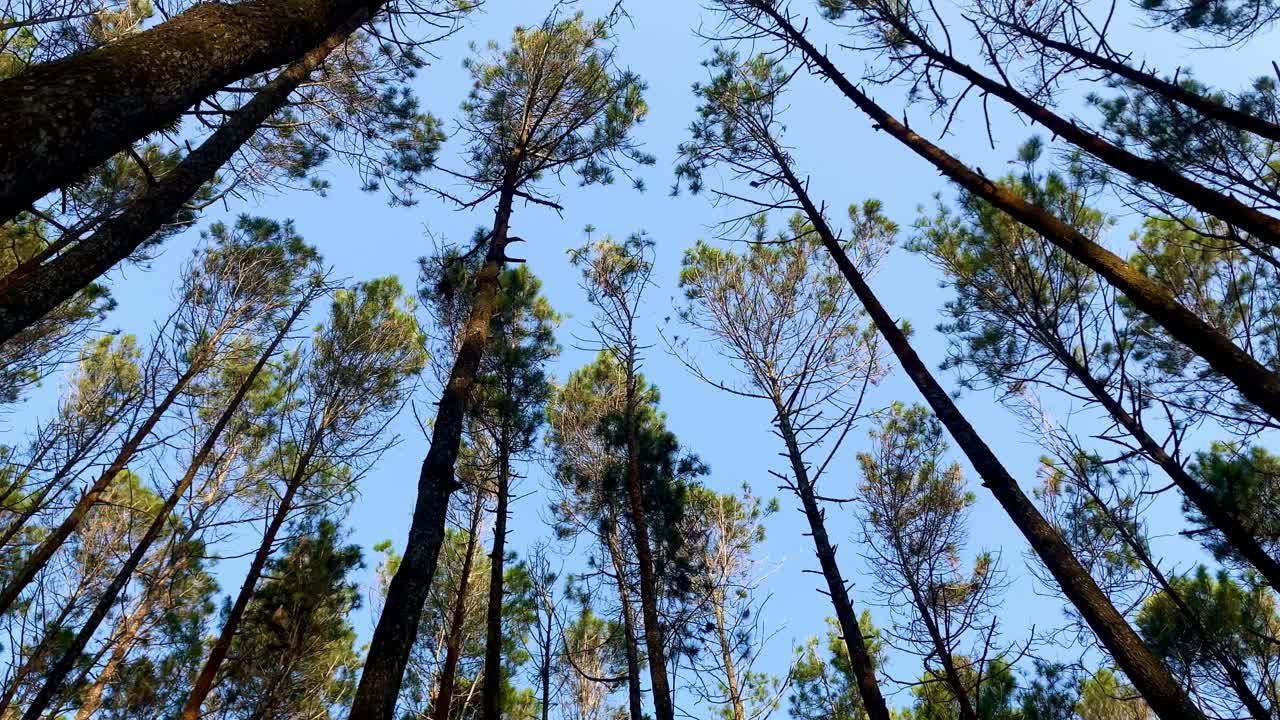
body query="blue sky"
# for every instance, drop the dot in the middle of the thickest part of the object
(363, 238)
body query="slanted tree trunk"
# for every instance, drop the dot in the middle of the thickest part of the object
(457, 618)
(66, 117)
(204, 682)
(491, 697)
(635, 699)
(654, 644)
(25, 299)
(546, 676)
(1229, 665)
(1255, 382)
(392, 640)
(1148, 674)
(1259, 224)
(860, 663)
(940, 646)
(1205, 105)
(41, 555)
(57, 675)
(49, 492)
(1222, 518)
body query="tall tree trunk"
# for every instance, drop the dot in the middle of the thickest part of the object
(1148, 674)
(940, 646)
(860, 662)
(24, 300)
(1205, 105)
(204, 682)
(458, 617)
(392, 640)
(1255, 382)
(1221, 518)
(726, 656)
(491, 698)
(1229, 666)
(66, 117)
(635, 697)
(41, 555)
(657, 655)
(1259, 224)
(57, 675)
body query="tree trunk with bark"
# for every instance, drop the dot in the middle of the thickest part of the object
(1205, 105)
(30, 666)
(41, 555)
(654, 644)
(1255, 382)
(91, 700)
(941, 648)
(204, 682)
(1148, 674)
(1228, 664)
(66, 117)
(491, 697)
(24, 300)
(545, 674)
(726, 656)
(1261, 225)
(1222, 518)
(392, 640)
(860, 662)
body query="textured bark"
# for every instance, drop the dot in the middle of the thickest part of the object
(204, 682)
(66, 117)
(1147, 673)
(1207, 106)
(392, 640)
(66, 662)
(654, 644)
(1254, 381)
(1261, 225)
(1220, 517)
(860, 662)
(41, 555)
(27, 299)
(491, 698)
(457, 618)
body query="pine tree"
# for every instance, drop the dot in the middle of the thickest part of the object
(738, 127)
(554, 102)
(793, 331)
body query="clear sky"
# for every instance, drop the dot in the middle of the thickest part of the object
(363, 238)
